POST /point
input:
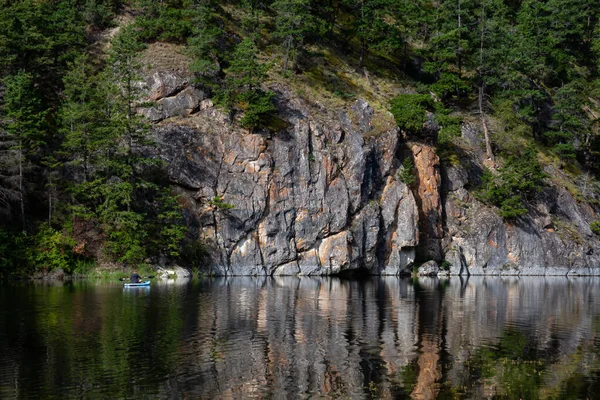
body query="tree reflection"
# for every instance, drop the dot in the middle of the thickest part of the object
(303, 338)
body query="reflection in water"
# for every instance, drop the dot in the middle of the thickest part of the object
(303, 338)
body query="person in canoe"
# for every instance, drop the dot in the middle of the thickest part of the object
(135, 278)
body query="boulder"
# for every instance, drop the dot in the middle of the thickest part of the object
(430, 268)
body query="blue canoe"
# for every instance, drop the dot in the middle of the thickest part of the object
(147, 283)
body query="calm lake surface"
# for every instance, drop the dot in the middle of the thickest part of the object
(287, 338)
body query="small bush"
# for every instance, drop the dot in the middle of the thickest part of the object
(449, 125)
(258, 108)
(409, 110)
(219, 203)
(445, 265)
(450, 84)
(595, 227)
(519, 179)
(407, 172)
(54, 250)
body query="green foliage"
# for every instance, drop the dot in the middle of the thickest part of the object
(54, 250)
(117, 185)
(203, 43)
(449, 84)
(98, 13)
(165, 21)
(569, 120)
(83, 123)
(193, 255)
(15, 251)
(373, 28)
(409, 110)
(449, 125)
(258, 108)
(406, 172)
(220, 203)
(242, 89)
(518, 180)
(445, 265)
(39, 38)
(595, 227)
(245, 72)
(293, 22)
(170, 229)
(23, 113)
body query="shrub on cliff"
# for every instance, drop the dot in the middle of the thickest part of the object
(406, 172)
(595, 227)
(242, 87)
(518, 180)
(409, 110)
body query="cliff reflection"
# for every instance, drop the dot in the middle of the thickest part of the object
(392, 338)
(384, 338)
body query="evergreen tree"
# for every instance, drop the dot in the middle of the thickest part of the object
(204, 42)
(10, 195)
(24, 119)
(40, 38)
(243, 86)
(82, 120)
(516, 182)
(374, 27)
(568, 120)
(169, 21)
(119, 189)
(293, 23)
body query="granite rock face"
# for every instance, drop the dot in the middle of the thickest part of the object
(320, 197)
(169, 94)
(554, 238)
(323, 196)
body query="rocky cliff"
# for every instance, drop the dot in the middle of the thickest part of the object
(554, 238)
(321, 195)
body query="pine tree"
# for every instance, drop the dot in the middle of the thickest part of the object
(243, 86)
(119, 189)
(293, 22)
(245, 72)
(10, 195)
(24, 119)
(568, 120)
(374, 27)
(82, 120)
(204, 42)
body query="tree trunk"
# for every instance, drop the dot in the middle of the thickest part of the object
(488, 144)
(361, 58)
(489, 162)
(458, 48)
(288, 44)
(21, 197)
(49, 208)
(333, 18)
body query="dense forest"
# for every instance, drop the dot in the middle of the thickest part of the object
(78, 187)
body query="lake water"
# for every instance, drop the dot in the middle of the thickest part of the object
(286, 338)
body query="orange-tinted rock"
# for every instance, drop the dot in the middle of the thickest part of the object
(428, 184)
